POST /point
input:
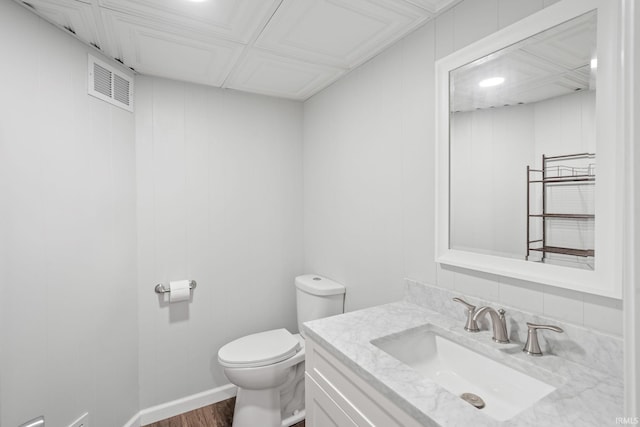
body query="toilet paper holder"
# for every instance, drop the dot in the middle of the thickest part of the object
(160, 289)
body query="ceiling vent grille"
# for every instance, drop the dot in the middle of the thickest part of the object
(108, 84)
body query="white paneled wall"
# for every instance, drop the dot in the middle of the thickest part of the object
(369, 178)
(632, 267)
(219, 201)
(68, 335)
(353, 198)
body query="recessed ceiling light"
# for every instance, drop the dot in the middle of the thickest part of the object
(594, 63)
(493, 81)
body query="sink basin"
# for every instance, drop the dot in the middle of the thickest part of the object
(504, 390)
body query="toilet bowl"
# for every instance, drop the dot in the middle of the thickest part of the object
(262, 365)
(268, 367)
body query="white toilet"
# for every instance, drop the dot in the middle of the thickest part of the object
(268, 367)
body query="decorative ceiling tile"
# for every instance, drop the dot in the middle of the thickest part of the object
(553, 63)
(74, 16)
(341, 33)
(434, 6)
(150, 50)
(285, 48)
(235, 20)
(569, 47)
(269, 74)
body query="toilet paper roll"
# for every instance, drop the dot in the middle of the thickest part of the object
(179, 291)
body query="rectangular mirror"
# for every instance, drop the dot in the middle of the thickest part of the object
(523, 116)
(522, 148)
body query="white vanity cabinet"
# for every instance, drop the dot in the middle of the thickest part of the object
(336, 396)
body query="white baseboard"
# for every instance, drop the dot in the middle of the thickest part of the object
(182, 405)
(134, 421)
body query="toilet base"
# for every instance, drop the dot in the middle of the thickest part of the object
(257, 408)
(279, 407)
(273, 395)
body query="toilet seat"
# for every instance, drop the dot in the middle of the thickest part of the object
(261, 349)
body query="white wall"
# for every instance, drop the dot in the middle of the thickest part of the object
(632, 258)
(219, 201)
(68, 335)
(632, 334)
(369, 178)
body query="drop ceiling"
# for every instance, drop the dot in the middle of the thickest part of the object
(284, 48)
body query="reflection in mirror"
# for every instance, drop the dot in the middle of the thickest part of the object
(522, 148)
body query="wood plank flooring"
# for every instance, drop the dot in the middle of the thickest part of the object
(217, 415)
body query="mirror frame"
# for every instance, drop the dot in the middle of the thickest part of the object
(606, 278)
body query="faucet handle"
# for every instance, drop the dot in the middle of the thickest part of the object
(471, 325)
(532, 347)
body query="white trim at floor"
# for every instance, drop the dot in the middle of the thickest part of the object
(182, 405)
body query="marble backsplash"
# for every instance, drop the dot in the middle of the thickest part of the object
(589, 348)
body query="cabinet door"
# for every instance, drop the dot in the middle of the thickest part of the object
(359, 402)
(321, 410)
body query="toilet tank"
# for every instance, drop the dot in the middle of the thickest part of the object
(317, 297)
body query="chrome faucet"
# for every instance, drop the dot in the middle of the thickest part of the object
(499, 322)
(471, 325)
(532, 347)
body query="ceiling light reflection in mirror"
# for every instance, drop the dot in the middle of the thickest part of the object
(491, 81)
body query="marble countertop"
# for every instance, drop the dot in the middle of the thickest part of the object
(583, 396)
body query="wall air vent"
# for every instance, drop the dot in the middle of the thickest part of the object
(109, 84)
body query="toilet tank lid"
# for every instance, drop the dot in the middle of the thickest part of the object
(318, 285)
